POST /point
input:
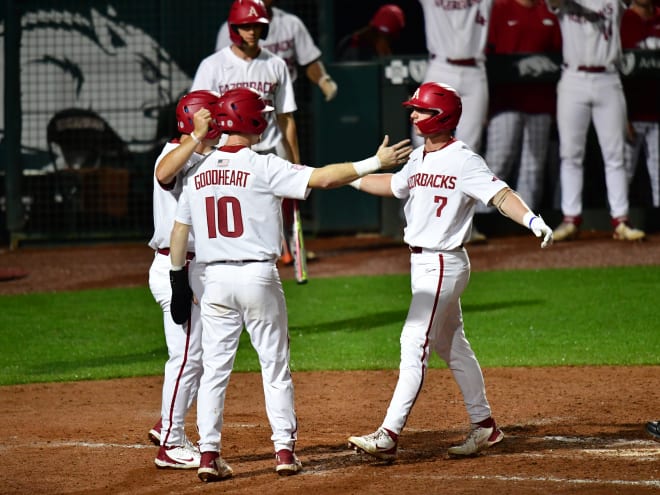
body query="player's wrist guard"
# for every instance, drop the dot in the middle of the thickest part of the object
(528, 218)
(368, 166)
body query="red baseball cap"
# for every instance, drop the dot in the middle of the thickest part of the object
(389, 19)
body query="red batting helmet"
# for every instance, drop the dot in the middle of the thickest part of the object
(242, 110)
(441, 98)
(247, 12)
(389, 19)
(193, 102)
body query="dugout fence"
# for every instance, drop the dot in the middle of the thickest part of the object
(88, 96)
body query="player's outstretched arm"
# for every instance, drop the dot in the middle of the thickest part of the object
(339, 174)
(172, 163)
(511, 205)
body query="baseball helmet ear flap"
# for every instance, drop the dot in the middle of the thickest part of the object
(190, 104)
(242, 110)
(440, 98)
(247, 12)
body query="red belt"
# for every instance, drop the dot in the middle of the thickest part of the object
(465, 62)
(166, 252)
(592, 68)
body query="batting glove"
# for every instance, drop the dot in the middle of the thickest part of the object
(328, 87)
(540, 229)
(182, 295)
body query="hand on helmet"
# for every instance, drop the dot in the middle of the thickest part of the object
(201, 120)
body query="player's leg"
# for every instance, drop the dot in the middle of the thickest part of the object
(453, 347)
(533, 157)
(573, 120)
(610, 125)
(473, 89)
(652, 141)
(287, 225)
(265, 315)
(503, 137)
(221, 329)
(181, 375)
(609, 119)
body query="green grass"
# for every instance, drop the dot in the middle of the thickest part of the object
(605, 316)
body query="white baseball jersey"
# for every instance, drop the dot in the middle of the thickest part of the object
(287, 38)
(456, 29)
(441, 189)
(267, 74)
(233, 201)
(590, 33)
(164, 202)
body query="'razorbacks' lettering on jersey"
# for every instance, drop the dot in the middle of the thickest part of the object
(263, 87)
(456, 4)
(432, 180)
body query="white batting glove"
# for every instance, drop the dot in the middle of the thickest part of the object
(328, 87)
(540, 229)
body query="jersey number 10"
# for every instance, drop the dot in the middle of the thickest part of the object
(218, 216)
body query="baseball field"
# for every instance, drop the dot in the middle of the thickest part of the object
(573, 412)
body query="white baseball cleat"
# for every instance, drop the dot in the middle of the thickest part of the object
(624, 232)
(479, 438)
(565, 231)
(178, 457)
(378, 444)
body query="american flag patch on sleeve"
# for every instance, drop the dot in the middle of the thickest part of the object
(223, 162)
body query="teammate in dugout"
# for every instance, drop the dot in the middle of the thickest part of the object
(441, 184)
(183, 368)
(590, 91)
(231, 201)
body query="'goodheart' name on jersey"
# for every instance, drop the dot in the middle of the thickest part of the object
(432, 180)
(223, 177)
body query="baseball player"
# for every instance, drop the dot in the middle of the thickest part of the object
(183, 368)
(244, 63)
(522, 113)
(456, 35)
(640, 30)
(441, 184)
(376, 38)
(590, 90)
(231, 201)
(289, 39)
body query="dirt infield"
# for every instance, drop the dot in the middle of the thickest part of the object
(568, 430)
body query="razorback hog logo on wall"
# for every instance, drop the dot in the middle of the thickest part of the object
(92, 61)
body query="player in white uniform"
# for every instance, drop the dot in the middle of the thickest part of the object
(243, 63)
(456, 35)
(183, 368)
(590, 90)
(289, 39)
(441, 184)
(231, 200)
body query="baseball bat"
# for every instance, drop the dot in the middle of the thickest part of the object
(299, 252)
